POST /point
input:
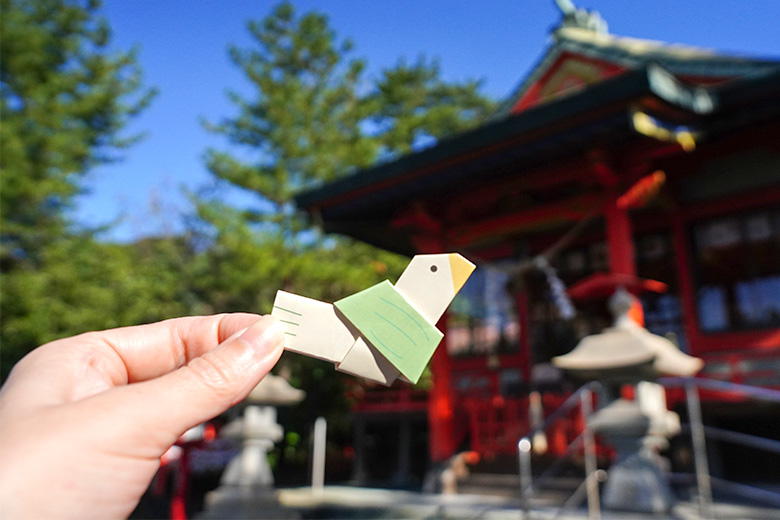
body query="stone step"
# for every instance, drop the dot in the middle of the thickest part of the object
(508, 485)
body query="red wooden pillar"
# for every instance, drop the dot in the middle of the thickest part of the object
(620, 246)
(441, 409)
(620, 241)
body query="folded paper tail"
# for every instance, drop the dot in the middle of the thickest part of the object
(315, 329)
(312, 327)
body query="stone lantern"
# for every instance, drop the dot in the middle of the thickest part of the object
(246, 488)
(627, 353)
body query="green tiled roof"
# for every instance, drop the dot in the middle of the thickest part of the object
(632, 53)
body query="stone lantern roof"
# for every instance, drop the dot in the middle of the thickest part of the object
(275, 391)
(626, 351)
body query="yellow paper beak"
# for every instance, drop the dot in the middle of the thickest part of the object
(461, 269)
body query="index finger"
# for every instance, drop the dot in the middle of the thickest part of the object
(149, 351)
(72, 368)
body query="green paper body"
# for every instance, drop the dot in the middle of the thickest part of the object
(393, 327)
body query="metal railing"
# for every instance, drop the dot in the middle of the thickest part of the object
(583, 398)
(699, 432)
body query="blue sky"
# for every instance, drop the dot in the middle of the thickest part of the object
(183, 51)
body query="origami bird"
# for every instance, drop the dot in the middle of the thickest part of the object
(384, 332)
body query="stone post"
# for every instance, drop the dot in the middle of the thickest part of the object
(246, 488)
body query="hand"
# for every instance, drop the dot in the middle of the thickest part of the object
(84, 420)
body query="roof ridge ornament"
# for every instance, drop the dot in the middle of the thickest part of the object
(581, 18)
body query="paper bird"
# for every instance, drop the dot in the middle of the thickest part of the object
(384, 332)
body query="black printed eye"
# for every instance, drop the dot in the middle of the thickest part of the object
(434, 268)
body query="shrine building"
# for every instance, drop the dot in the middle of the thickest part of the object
(616, 162)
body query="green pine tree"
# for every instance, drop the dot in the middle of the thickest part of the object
(66, 96)
(315, 115)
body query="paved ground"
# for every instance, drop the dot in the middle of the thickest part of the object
(367, 503)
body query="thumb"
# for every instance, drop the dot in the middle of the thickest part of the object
(162, 409)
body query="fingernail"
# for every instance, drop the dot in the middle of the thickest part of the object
(264, 333)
